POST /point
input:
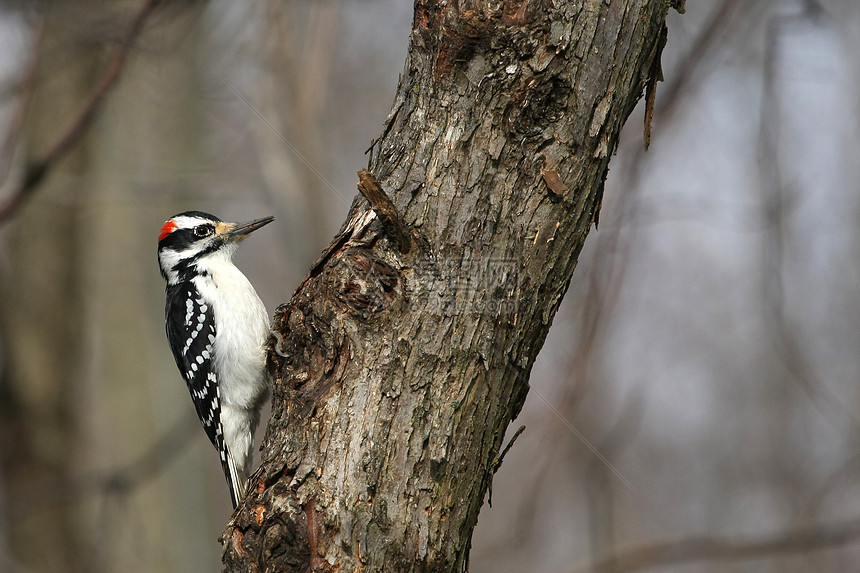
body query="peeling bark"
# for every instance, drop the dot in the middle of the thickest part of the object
(398, 367)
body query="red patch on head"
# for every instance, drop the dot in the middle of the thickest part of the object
(168, 228)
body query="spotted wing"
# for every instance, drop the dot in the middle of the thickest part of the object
(191, 333)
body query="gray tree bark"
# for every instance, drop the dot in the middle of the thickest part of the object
(400, 361)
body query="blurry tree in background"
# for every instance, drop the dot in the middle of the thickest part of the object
(707, 348)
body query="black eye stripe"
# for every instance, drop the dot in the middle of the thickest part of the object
(183, 238)
(202, 230)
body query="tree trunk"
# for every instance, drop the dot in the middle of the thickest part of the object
(398, 364)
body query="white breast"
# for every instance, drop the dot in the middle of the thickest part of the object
(241, 328)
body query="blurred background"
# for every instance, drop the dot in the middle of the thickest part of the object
(708, 348)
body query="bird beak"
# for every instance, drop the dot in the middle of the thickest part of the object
(238, 231)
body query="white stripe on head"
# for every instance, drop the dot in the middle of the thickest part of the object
(189, 222)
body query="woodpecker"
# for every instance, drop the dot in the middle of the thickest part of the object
(216, 326)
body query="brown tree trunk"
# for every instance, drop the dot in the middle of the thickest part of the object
(399, 364)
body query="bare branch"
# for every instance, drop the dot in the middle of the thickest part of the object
(385, 210)
(24, 93)
(38, 169)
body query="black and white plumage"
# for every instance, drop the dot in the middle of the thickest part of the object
(216, 326)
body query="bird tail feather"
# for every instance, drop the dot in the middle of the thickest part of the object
(235, 480)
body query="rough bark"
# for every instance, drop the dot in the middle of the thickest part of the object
(399, 364)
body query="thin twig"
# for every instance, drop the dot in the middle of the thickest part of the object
(497, 463)
(38, 169)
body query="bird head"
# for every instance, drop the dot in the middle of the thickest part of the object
(192, 236)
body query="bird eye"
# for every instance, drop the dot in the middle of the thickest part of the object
(201, 230)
